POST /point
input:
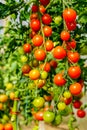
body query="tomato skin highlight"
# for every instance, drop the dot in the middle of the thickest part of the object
(74, 72)
(59, 52)
(42, 9)
(81, 113)
(69, 15)
(75, 89)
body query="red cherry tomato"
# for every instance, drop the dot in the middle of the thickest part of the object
(59, 52)
(81, 113)
(59, 80)
(46, 19)
(71, 26)
(53, 63)
(71, 44)
(69, 15)
(8, 126)
(27, 48)
(47, 31)
(74, 72)
(26, 69)
(77, 104)
(35, 25)
(65, 36)
(44, 2)
(73, 56)
(75, 89)
(40, 54)
(37, 40)
(42, 9)
(39, 115)
(67, 100)
(34, 8)
(49, 45)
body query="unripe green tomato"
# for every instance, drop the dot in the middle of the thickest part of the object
(66, 111)
(67, 94)
(5, 117)
(61, 105)
(58, 120)
(24, 58)
(44, 75)
(48, 116)
(39, 102)
(58, 20)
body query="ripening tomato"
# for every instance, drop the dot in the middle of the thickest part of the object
(40, 54)
(48, 97)
(39, 115)
(12, 95)
(1, 126)
(39, 102)
(69, 15)
(44, 2)
(42, 9)
(47, 31)
(53, 63)
(27, 48)
(59, 80)
(3, 98)
(44, 75)
(75, 89)
(67, 94)
(33, 16)
(65, 35)
(77, 104)
(74, 72)
(61, 105)
(49, 45)
(26, 69)
(35, 25)
(73, 57)
(67, 100)
(24, 58)
(1, 106)
(71, 26)
(32, 34)
(71, 44)
(81, 113)
(48, 116)
(59, 52)
(8, 126)
(40, 83)
(46, 19)
(34, 74)
(37, 40)
(46, 67)
(34, 8)
(35, 63)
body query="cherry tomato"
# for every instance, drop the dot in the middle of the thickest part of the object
(40, 83)
(26, 69)
(42, 9)
(59, 80)
(35, 63)
(44, 2)
(49, 45)
(48, 116)
(69, 15)
(3, 98)
(74, 72)
(81, 113)
(71, 44)
(27, 48)
(24, 58)
(53, 63)
(37, 40)
(58, 119)
(58, 20)
(67, 94)
(44, 75)
(59, 52)
(39, 102)
(35, 25)
(71, 26)
(8, 126)
(1, 106)
(67, 100)
(32, 34)
(73, 56)
(61, 105)
(48, 97)
(46, 19)
(35, 8)
(75, 89)
(34, 74)
(34, 16)
(1, 126)
(46, 67)
(40, 54)
(65, 35)
(77, 104)
(47, 31)
(39, 115)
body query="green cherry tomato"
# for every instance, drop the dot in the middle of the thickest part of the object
(66, 111)
(67, 94)
(24, 59)
(38, 102)
(58, 119)
(44, 75)
(58, 20)
(48, 116)
(61, 105)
